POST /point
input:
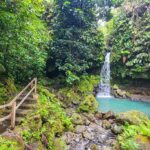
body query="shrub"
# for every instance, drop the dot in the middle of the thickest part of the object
(48, 120)
(8, 145)
(89, 104)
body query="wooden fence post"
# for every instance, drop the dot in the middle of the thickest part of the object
(35, 96)
(13, 115)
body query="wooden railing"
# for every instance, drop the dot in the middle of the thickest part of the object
(31, 88)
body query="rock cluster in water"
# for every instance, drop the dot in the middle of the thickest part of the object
(92, 132)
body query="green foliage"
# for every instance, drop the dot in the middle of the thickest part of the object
(76, 45)
(89, 104)
(59, 144)
(76, 119)
(71, 78)
(87, 84)
(77, 93)
(8, 145)
(49, 120)
(23, 37)
(129, 39)
(117, 3)
(3, 95)
(133, 117)
(7, 89)
(129, 139)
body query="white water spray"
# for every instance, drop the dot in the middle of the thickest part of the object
(104, 86)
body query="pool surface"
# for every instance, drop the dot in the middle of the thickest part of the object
(122, 105)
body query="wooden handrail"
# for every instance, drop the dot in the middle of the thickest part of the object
(25, 97)
(5, 118)
(33, 86)
(17, 96)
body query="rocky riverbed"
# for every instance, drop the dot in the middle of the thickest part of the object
(133, 93)
(92, 132)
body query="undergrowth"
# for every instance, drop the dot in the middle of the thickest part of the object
(49, 121)
(134, 136)
(8, 144)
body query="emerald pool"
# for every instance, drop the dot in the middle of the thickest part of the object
(122, 105)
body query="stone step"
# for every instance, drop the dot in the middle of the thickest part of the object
(22, 112)
(19, 120)
(27, 106)
(28, 100)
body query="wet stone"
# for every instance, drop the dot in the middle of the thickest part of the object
(90, 137)
(80, 129)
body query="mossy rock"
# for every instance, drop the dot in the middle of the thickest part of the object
(74, 97)
(143, 142)
(106, 124)
(76, 119)
(115, 87)
(133, 117)
(89, 104)
(87, 83)
(59, 144)
(11, 141)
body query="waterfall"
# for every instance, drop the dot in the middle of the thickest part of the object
(104, 86)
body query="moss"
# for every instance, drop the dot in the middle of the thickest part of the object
(128, 94)
(3, 93)
(115, 87)
(89, 104)
(10, 86)
(133, 117)
(76, 119)
(87, 84)
(43, 91)
(135, 136)
(59, 144)
(7, 90)
(69, 96)
(49, 120)
(6, 144)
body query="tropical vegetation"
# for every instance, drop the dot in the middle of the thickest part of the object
(63, 44)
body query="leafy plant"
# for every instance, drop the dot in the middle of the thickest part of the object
(77, 45)
(128, 139)
(23, 39)
(7, 144)
(129, 38)
(50, 120)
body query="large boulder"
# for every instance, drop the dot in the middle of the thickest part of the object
(109, 115)
(133, 117)
(89, 104)
(143, 142)
(106, 124)
(116, 129)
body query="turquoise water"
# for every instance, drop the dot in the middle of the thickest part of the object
(122, 105)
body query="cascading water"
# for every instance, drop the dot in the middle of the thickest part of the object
(104, 86)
